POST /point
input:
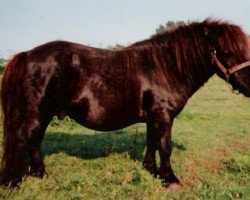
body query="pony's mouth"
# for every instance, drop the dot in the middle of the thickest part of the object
(246, 94)
(241, 90)
(238, 88)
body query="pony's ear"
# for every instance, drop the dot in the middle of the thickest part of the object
(207, 31)
(210, 35)
(211, 41)
(211, 32)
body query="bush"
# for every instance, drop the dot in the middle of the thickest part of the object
(2, 62)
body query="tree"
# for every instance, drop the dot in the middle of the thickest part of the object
(170, 25)
(2, 62)
(116, 47)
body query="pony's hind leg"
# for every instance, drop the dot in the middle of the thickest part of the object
(36, 164)
(45, 110)
(25, 111)
(22, 153)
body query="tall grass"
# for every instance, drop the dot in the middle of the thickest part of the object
(211, 156)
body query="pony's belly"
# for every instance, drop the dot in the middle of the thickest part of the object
(105, 123)
(101, 118)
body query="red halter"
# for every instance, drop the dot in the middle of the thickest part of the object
(228, 71)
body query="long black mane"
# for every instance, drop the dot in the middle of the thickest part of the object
(181, 50)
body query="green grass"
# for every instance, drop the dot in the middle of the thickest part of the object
(211, 156)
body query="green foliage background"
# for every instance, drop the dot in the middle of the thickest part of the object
(2, 62)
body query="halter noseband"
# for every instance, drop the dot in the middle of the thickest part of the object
(228, 71)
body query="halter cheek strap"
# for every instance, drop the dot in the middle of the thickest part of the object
(229, 71)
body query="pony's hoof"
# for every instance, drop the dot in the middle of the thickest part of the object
(151, 169)
(171, 182)
(174, 186)
(8, 182)
(38, 171)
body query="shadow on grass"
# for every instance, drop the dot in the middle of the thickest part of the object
(97, 145)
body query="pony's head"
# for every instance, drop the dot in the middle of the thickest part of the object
(230, 53)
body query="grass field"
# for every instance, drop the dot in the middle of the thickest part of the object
(211, 156)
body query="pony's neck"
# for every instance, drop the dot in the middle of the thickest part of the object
(180, 60)
(192, 61)
(197, 77)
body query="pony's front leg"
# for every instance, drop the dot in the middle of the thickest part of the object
(164, 145)
(149, 162)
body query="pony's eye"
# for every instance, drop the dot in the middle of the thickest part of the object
(228, 53)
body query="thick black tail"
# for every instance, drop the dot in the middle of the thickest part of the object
(14, 108)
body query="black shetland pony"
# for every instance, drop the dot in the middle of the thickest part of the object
(149, 81)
